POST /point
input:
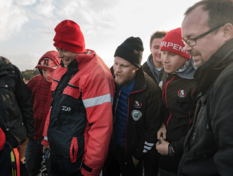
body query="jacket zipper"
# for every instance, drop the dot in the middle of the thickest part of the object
(128, 119)
(166, 99)
(117, 100)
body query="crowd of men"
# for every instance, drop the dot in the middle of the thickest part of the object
(170, 116)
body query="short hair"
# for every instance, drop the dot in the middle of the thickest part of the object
(220, 11)
(157, 34)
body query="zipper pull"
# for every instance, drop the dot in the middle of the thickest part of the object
(194, 135)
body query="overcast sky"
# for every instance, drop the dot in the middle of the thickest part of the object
(27, 26)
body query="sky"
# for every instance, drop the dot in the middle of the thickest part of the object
(27, 26)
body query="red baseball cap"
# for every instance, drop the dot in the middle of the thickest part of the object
(49, 60)
(47, 63)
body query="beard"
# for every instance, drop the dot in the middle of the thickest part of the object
(119, 82)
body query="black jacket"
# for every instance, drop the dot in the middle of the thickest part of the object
(179, 103)
(15, 104)
(144, 120)
(209, 144)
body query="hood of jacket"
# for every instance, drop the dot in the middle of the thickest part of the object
(5, 66)
(153, 70)
(188, 72)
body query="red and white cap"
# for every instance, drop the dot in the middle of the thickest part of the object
(173, 42)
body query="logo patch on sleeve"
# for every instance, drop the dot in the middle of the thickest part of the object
(136, 114)
(182, 93)
(137, 104)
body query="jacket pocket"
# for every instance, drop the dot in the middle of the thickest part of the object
(74, 150)
(72, 91)
(15, 132)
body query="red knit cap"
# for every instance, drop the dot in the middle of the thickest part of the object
(2, 139)
(69, 37)
(173, 42)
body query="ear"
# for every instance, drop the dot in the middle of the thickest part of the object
(227, 31)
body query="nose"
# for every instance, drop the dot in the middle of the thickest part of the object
(186, 47)
(159, 52)
(165, 58)
(49, 74)
(117, 68)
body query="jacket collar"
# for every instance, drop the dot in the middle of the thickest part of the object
(206, 74)
(79, 60)
(140, 81)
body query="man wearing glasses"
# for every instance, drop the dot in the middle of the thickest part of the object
(207, 32)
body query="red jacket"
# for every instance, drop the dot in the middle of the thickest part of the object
(93, 85)
(42, 96)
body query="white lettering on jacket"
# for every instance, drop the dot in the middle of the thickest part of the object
(65, 108)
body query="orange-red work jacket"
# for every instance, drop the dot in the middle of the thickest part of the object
(79, 123)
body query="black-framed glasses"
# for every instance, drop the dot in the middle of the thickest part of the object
(193, 41)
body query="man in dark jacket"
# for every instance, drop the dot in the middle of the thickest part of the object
(16, 118)
(179, 100)
(153, 65)
(136, 112)
(207, 31)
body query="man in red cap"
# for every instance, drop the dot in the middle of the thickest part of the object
(42, 98)
(179, 98)
(79, 124)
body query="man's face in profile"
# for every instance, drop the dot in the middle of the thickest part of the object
(195, 24)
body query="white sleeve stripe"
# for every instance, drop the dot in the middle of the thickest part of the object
(146, 147)
(45, 138)
(97, 100)
(149, 144)
(145, 151)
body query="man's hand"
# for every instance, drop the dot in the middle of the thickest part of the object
(135, 161)
(162, 131)
(45, 147)
(163, 147)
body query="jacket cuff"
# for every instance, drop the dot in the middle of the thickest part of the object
(45, 141)
(88, 171)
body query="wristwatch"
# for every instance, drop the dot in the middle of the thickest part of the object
(170, 152)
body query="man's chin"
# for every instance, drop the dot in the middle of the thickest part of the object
(119, 82)
(198, 63)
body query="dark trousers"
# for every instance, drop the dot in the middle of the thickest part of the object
(117, 163)
(151, 162)
(57, 170)
(33, 157)
(166, 173)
